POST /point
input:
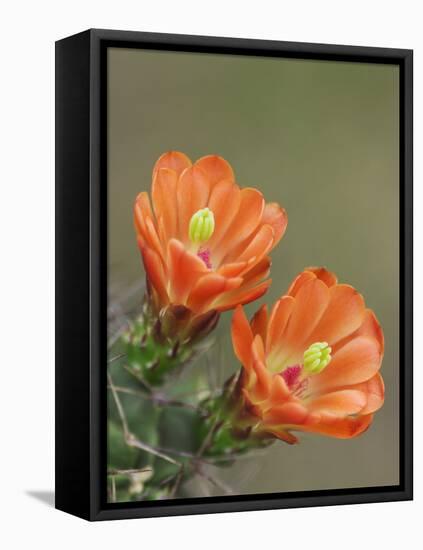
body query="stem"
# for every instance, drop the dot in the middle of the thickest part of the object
(130, 439)
(130, 471)
(159, 400)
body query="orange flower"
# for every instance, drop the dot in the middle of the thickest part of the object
(205, 242)
(313, 364)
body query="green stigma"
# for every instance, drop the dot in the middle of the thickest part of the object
(201, 226)
(317, 357)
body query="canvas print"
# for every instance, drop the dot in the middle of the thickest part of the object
(253, 275)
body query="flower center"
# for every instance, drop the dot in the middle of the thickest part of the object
(291, 375)
(204, 254)
(316, 358)
(201, 226)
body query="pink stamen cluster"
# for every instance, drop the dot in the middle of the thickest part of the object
(204, 254)
(291, 375)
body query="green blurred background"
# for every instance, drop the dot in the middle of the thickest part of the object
(320, 138)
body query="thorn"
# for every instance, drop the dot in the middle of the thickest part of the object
(175, 349)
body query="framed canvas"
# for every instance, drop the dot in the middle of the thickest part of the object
(234, 274)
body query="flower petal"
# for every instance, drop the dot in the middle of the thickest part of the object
(284, 435)
(208, 288)
(142, 211)
(257, 271)
(290, 413)
(185, 269)
(374, 390)
(244, 224)
(299, 281)
(224, 201)
(279, 392)
(343, 402)
(324, 275)
(278, 320)
(232, 270)
(342, 428)
(311, 302)
(217, 168)
(259, 322)
(261, 388)
(242, 296)
(276, 217)
(172, 160)
(356, 362)
(242, 337)
(370, 327)
(250, 289)
(344, 314)
(164, 199)
(193, 194)
(155, 272)
(260, 245)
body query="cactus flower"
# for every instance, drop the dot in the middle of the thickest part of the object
(313, 364)
(205, 241)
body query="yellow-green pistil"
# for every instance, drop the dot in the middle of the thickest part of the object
(317, 357)
(201, 226)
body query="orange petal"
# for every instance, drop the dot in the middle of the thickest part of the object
(242, 337)
(343, 315)
(257, 271)
(152, 237)
(155, 273)
(258, 348)
(193, 193)
(343, 402)
(284, 435)
(208, 288)
(288, 413)
(374, 390)
(244, 224)
(278, 320)
(164, 200)
(216, 168)
(232, 270)
(224, 202)
(145, 226)
(299, 281)
(370, 327)
(243, 296)
(356, 362)
(142, 211)
(185, 269)
(279, 392)
(249, 290)
(324, 275)
(262, 386)
(311, 301)
(342, 428)
(259, 322)
(276, 217)
(260, 245)
(172, 160)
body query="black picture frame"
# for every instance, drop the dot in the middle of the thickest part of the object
(81, 273)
